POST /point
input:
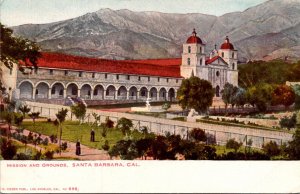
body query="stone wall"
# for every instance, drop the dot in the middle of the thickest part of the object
(161, 126)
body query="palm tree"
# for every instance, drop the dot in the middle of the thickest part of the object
(61, 116)
(24, 109)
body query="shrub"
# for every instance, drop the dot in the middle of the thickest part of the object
(232, 144)
(38, 156)
(106, 145)
(288, 123)
(48, 120)
(53, 138)
(64, 145)
(271, 149)
(49, 155)
(198, 134)
(108, 123)
(8, 150)
(45, 142)
(23, 156)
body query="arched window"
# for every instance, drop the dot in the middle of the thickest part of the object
(188, 61)
(233, 66)
(53, 90)
(200, 61)
(189, 49)
(217, 73)
(200, 49)
(222, 54)
(232, 55)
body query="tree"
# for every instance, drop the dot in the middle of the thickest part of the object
(271, 149)
(228, 94)
(8, 117)
(287, 122)
(125, 149)
(239, 98)
(79, 110)
(166, 106)
(24, 109)
(195, 93)
(232, 144)
(15, 49)
(61, 116)
(198, 134)
(293, 148)
(96, 119)
(34, 115)
(18, 118)
(260, 95)
(124, 125)
(8, 150)
(296, 89)
(143, 147)
(284, 95)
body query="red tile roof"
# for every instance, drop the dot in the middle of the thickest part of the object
(153, 67)
(209, 61)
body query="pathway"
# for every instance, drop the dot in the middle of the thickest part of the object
(87, 153)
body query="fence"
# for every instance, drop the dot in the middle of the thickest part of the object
(219, 133)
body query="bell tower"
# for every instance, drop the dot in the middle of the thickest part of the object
(193, 56)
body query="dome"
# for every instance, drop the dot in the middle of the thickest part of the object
(227, 44)
(194, 38)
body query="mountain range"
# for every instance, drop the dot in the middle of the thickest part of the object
(267, 31)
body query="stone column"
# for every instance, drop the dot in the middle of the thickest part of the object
(137, 95)
(33, 92)
(78, 93)
(157, 96)
(92, 94)
(104, 94)
(65, 92)
(148, 94)
(116, 95)
(49, 93)
(167, 96)
(127, 95)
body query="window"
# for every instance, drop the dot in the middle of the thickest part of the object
(106, 76)
(51, 71)
(222, 54)
(232, 55)
(189, 49)
(119, 92)
(66, 72)
(36, 91)
(217, 73)
(176, 80)
(158, 79)
(188, 61)
(10, 71)
(36, 70)
(139, 78)
(143, 93)
(167, 79)
(148, 79)
(80, 74)
(53, 90)
(93, 75)
(200, 49)
(128, 77)
(200, 61)
(61, 92)
(107, 92)
(117, 77)
(233, 66)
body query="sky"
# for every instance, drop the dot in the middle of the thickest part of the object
(17, 12)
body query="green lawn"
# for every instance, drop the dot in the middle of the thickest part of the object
(222, 149)
(21, 148)
(72, 131)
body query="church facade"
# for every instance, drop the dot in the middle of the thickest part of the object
(60, 76)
